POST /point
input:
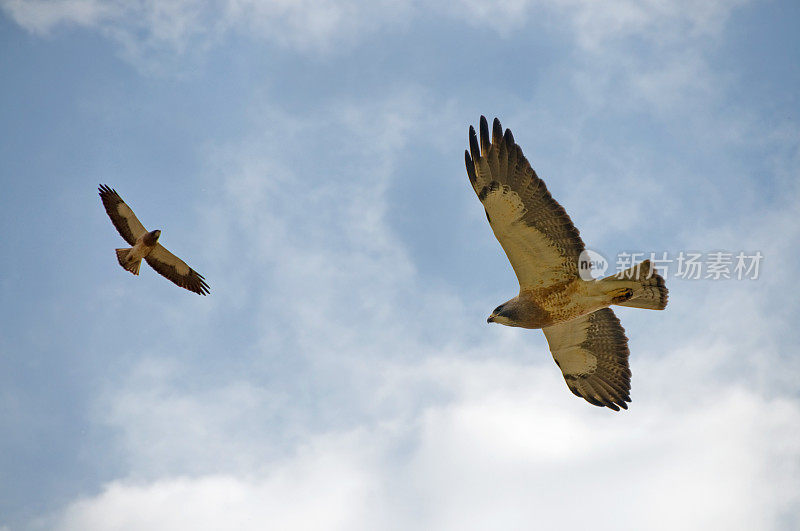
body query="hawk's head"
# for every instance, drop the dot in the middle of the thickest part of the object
(505, 314)
(152, 237)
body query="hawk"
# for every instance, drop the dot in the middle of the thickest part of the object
(586, 339)
(145, 245)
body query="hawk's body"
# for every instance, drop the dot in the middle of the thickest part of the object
(145, 246)
(585, 337)
(131, 259)
(542, 307)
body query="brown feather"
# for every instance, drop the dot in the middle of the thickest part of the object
(592, 353)
(176, 270)
(536, 233)
(123, 218)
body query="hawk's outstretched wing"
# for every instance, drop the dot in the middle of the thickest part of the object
(175, 269)
(121, 215)
(592, 353)
(536, 233)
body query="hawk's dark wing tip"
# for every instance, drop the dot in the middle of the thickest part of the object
(611, 402)
(202, 287)
(474, 149)
(618, 402)
(484, 130)
(106, 191)
(497, 131)
(509, 138)
(470, 167)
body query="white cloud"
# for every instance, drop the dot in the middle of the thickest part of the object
(319, 489)
(152, 420)
(40, 16)
(149, 27)
(598, 24)
(515, 460)
(313, 26)
(658, 21)
(501, 453)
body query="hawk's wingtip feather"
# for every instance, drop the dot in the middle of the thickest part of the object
(484, 130)
(474, 149)
(497, 131)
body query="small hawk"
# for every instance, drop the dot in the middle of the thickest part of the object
(145, 245)
(586, 339)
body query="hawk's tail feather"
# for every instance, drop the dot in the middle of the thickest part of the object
(638, 287)
(122, 258)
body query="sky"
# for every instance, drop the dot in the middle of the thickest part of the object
(306, 157)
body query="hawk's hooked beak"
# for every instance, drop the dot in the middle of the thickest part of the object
(490, 319)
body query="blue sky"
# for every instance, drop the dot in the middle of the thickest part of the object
(307, 158)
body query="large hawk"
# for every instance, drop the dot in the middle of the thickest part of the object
(145, 245)
(585, 337)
